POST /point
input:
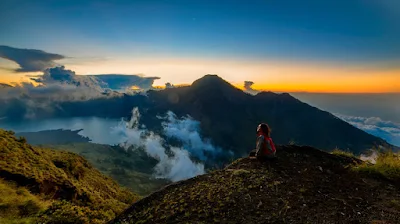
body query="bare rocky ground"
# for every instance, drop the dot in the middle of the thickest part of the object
(303, 185)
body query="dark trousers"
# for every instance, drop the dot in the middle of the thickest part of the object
(261, 157)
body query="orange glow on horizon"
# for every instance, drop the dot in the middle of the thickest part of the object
(382, 83)
(275, 76)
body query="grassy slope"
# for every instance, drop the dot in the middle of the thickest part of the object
(64, 185)
(130, 169)
(18, 205)
(303, 185)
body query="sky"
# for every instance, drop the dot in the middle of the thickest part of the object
(340, 46)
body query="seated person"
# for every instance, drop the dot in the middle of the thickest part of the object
(265, 147)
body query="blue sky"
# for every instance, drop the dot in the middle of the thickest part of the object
(356, 30)
(180, 41)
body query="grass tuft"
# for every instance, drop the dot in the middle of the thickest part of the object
(387, 165)
(339, 152)
(18, 205)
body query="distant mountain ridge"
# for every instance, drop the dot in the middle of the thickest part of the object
(229, 116)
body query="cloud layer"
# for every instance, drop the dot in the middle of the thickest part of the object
(62, 76)
(116, 82)
(56, 85)
(59, 84)
(29, 60)
(388, 130)
(51, 92)
(186, 131)
(175, 163)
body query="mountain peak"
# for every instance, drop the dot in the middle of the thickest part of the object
(213, 86)
(211, 80)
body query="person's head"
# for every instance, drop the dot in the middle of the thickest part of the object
(264, 128)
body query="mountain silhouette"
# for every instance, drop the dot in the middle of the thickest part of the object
(230, 116)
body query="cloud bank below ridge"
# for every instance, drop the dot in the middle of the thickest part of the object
(388, 130)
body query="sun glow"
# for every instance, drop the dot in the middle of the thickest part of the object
(278, 76)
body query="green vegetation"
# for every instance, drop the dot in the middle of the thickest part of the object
(339, 152)
(17, 204)
(387, 165)
(131, 169)
(48, 186)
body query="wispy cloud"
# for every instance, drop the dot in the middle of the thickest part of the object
(186, 130)
(30, 60)
(248, 87)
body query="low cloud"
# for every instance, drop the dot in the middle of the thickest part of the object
(186, 130)
(175, 163)
(51, 92)
(248, 87)
(387, 130)
(62, 76)
(27, 101)
(114, 82)
(30, 60)
(59, 84)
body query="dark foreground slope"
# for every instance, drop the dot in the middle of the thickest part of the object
(51, 186)
(303, 185)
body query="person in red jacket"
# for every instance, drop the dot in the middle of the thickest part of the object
(265, 147)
